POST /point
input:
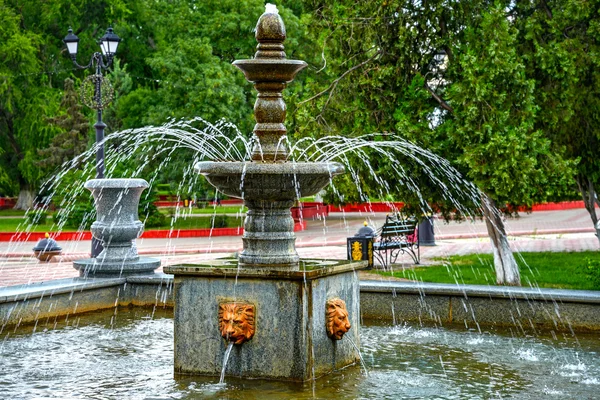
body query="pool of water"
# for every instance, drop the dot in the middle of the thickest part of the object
(128, 354)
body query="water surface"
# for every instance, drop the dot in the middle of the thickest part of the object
(127, 353)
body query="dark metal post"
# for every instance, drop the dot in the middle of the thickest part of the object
(99, 125)
(426, 232)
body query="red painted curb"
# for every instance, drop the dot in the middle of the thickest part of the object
(565, 205)
(35, 236)
(182, 233)
(150, 234)
(388, 207)
(368, 207)
(163, 202)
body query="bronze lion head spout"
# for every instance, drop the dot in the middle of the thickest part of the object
(337, 321)
(236, 322)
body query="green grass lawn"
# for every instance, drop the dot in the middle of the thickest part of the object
(20, 223)
(207, 210)
(11, 213)
(544, 269)
(206, 222)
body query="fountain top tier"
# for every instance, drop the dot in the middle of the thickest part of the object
(270, 71)
(269, 185)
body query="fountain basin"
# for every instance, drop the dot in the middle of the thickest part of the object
(126, 353)
(270, 70)
(269, 191)
(269, 181)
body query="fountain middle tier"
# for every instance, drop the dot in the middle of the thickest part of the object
(269, 191)
(255, 181)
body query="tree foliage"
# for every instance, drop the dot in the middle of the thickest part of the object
(24, 98)
(478, 109)
(74, 131)
(494, 116)
(513, 105)
(561, 43)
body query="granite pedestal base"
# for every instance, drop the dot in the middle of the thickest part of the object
(290, 340)
(96, 267)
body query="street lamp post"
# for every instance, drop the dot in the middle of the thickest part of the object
(102, 94)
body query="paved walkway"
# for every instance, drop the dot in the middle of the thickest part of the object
(566, 230)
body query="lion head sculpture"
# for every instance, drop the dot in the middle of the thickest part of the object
(337, 322)
(236, 322)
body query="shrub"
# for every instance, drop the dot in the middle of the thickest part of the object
(202, 204)
(37, 217)
(81, 216)
(151, 217)
(220, 221)
(148, 212)
(591, 268)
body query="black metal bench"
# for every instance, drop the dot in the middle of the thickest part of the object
(397, 236)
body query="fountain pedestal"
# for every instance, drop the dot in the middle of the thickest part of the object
(290, 342)
(269, 191)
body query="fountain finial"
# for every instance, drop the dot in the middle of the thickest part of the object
(270, 34)
(270, 71)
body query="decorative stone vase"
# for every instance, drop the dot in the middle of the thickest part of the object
(117, 226)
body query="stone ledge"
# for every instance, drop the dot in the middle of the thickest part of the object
(50, 288)
(466, 291)
(224, 268)
(157, 278)
(400, 301)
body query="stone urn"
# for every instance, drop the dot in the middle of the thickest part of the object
(117, 226)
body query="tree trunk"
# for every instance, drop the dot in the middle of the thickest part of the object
(507, 270)
(26, 197)
(588, 193)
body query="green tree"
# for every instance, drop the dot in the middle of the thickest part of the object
(25, 98)
(74, 135)
(33, 59)
(561, 43)
(477, 107)
(494, 125)
(190, 69)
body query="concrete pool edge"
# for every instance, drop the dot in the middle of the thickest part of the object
(527, 309)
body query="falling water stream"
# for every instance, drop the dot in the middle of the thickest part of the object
(225, 359)
(222, 141)
(362, 361)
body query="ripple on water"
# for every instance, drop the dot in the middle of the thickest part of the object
(527, 355)
(129, 355)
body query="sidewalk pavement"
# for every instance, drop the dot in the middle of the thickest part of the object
(565, 230)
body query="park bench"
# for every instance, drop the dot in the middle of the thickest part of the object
(398, 235)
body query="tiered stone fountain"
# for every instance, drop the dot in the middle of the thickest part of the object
(286, 316)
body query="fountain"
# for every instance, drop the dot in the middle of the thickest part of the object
(275, 316)
(286, 316)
